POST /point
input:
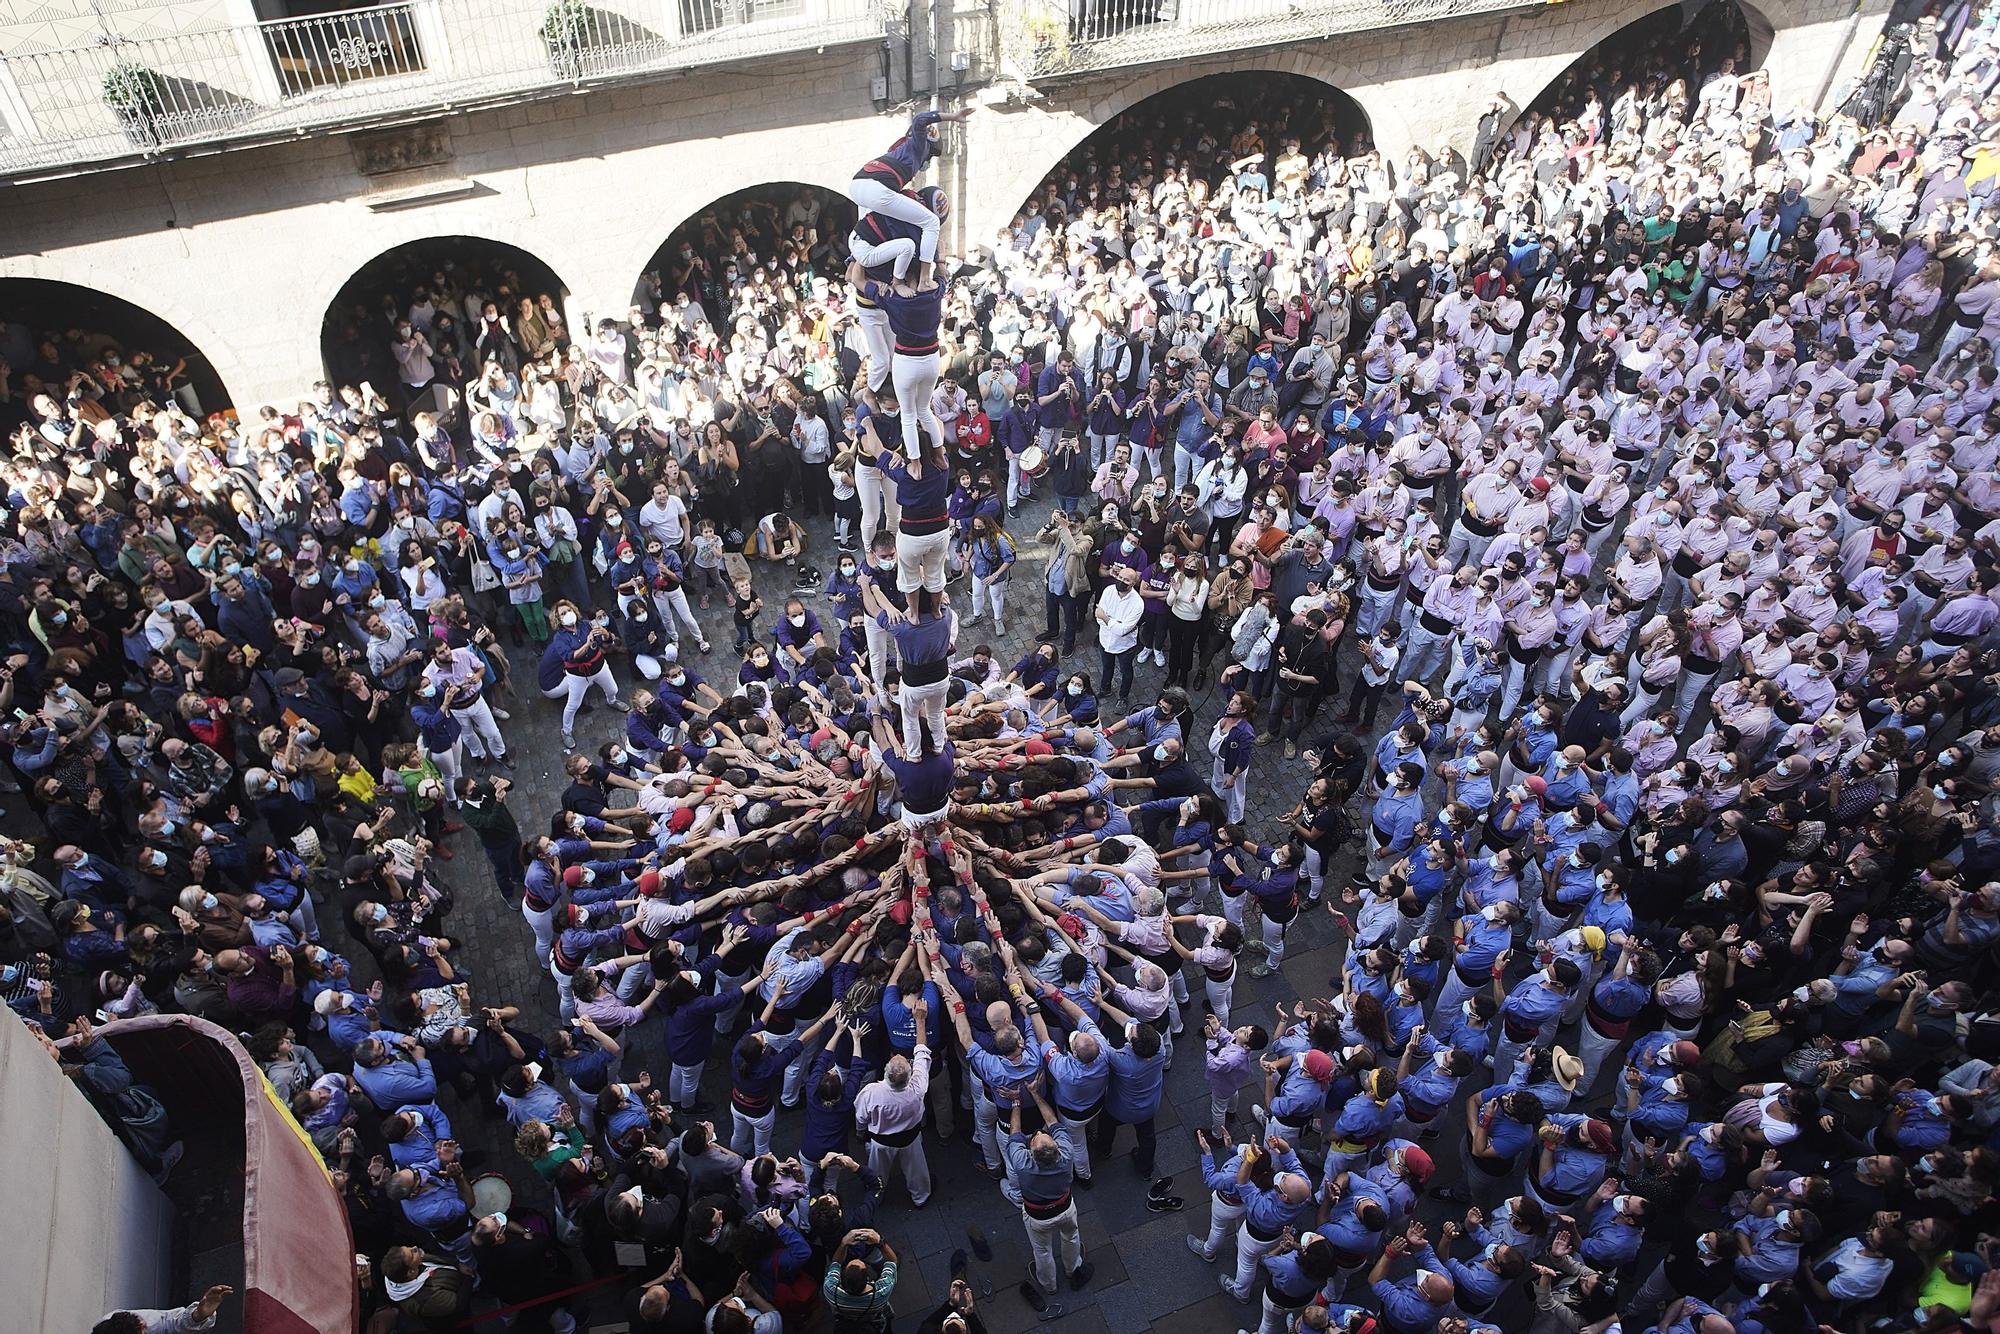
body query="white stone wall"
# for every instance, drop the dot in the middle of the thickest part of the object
(95, 1234)
(244, 250)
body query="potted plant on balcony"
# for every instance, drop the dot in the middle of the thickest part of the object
(134, 95)
(1048, 40)
(566, 31)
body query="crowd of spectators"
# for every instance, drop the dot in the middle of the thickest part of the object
(1631, 494)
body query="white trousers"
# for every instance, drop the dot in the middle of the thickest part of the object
(916, 380)
(1591, 1048)
(898, 251)
(872, 196)
(751, 1136)
(1274, 942)
(672, 605)
(986, 1127)
(879, 507)
(920, 560)
(482, 734)
(1079, 1141)
(921, 703)
(1277, 1319)
(880, 342)
(1233, 796)
(1222, 1217)
(574, 688)
(991, 594)
(1249, 1251)
(881, 651)
(883, 1159)
(449, 764)
(1221, 995)
(1020, 485)
(543, 924)
(1044, 1235)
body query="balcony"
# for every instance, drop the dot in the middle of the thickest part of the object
(1046, 39)
(120, 98)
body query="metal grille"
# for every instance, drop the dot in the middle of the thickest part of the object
(1052, 38)
(103, 102)
(334, 50)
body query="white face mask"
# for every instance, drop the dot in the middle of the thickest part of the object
(568, 619)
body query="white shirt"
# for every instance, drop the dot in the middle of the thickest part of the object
(664, 521)
(1119, 611)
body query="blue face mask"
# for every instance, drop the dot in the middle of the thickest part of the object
(1160, 754)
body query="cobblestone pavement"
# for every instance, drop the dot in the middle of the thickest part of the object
(1145, 1277)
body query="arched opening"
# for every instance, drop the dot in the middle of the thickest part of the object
(1201, 130)
(440, 285)
(1652, 53)
(50, 331)
(783, 233)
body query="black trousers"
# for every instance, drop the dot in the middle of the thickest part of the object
(1106, 1130)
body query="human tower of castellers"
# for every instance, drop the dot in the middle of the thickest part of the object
(1663, 997)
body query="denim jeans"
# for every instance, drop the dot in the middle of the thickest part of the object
(1060, 616)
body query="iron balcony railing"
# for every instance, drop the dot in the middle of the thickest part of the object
(1051, 38)
(117, 97)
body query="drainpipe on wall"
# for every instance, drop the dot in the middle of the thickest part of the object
(1833, 66)
(937, 30)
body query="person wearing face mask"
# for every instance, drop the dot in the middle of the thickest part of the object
(877, 583)
(576, 658)
(923, 485)
(797, 635)
(1417, 1302)
(1119, 611)
(884, 246)
(643, 632)
(925, 636)
(464, 669)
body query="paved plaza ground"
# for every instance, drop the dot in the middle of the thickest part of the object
(1145, 1276)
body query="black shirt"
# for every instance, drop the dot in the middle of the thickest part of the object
(1590, 723)
(1178, 779)
(583, 799)
(684, 1316)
